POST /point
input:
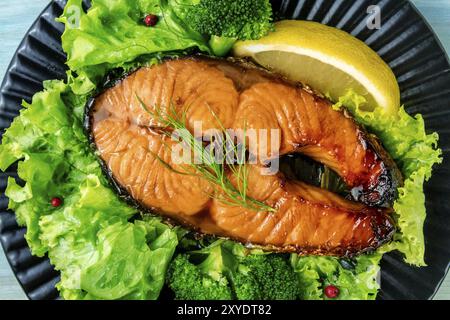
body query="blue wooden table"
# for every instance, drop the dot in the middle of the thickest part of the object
(16, 17)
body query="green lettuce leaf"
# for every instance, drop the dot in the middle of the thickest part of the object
(122, 261)
(415, 152)
(356, 280)
(89, 239)
(112, 34)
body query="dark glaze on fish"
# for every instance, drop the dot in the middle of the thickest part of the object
(308, 220)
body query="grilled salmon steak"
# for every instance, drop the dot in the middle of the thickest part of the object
(124, 124)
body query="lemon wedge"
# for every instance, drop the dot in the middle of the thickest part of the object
(327, 59)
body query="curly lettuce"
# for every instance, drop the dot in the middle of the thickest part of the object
(415, 152)
(101, 255)
(112, 35)
(356, 280)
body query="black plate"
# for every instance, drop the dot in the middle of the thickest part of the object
(405, 41)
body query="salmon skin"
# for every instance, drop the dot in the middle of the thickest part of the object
(136, 155)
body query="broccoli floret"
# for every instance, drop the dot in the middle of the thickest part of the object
(188, 282)
(240, 19)
(226, 270)
(226, 21)
(265, 277)
(246, 287)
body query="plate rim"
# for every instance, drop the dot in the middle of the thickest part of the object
(2, 86)
(447, 56)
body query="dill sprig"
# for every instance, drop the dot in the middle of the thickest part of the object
(207, 168)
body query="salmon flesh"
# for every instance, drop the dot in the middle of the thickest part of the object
(136, 154)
